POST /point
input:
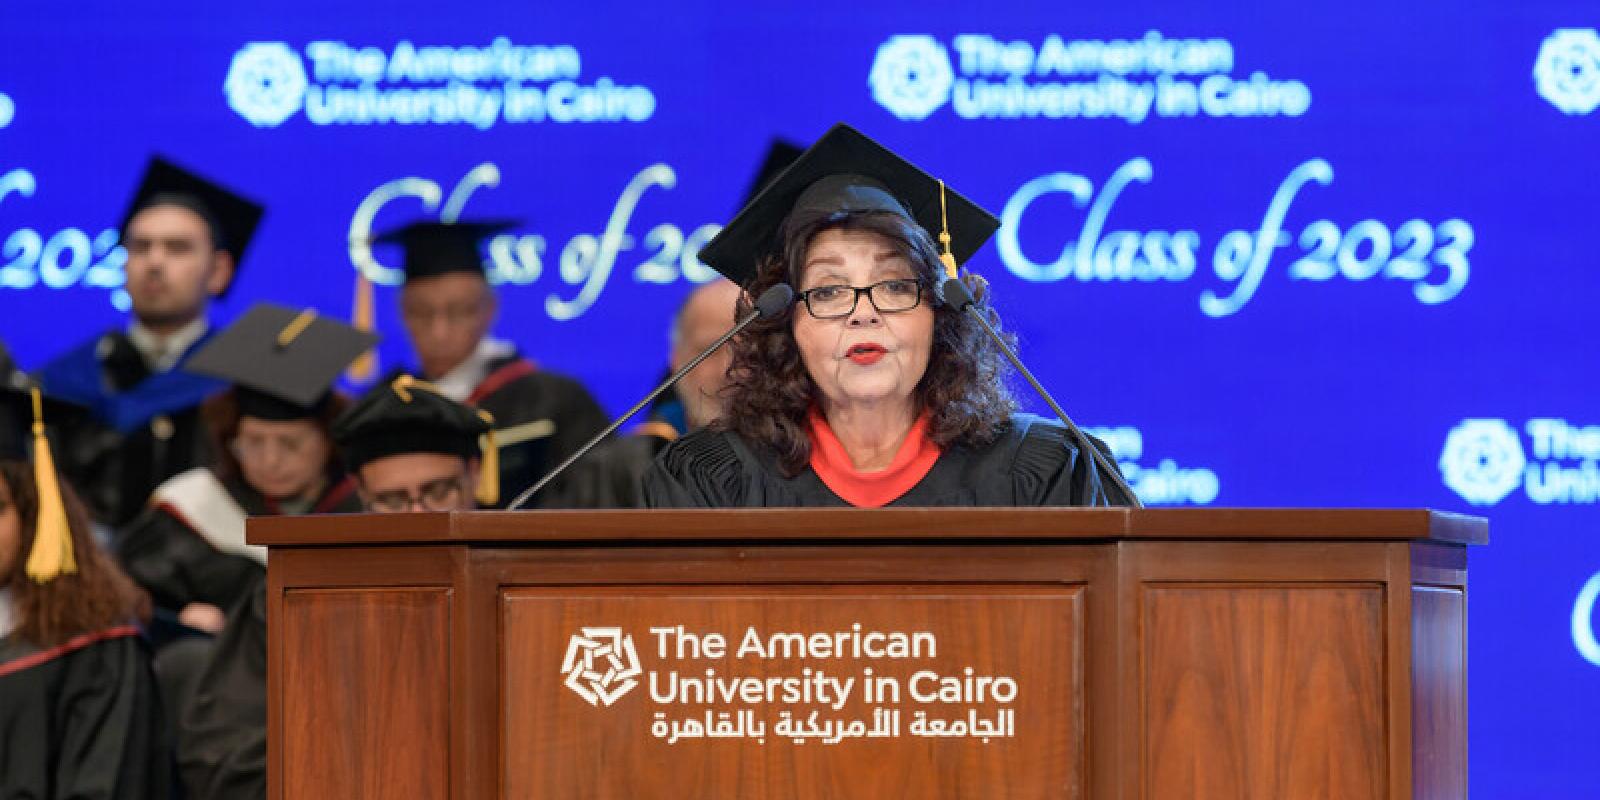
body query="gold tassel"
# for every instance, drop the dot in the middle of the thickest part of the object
(52, 539)
(947, 258)
(489, 474)
(363, 316)
(296, 326)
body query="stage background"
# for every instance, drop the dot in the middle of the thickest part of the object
(1279, 255)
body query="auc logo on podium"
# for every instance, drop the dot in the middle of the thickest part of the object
(601, 665)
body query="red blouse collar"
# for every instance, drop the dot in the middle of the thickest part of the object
(911, 464)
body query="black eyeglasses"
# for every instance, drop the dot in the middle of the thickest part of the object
(838, 300)
(442, 494)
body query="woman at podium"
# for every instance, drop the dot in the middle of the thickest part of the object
(869, 391)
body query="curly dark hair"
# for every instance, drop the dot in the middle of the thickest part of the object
(98, 596)
(769, 391)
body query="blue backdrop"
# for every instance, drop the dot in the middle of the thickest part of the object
(1280, 255)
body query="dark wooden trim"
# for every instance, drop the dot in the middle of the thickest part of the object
(930, 525)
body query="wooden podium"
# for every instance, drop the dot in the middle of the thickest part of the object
(842, 653)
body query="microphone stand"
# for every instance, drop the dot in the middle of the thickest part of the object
(956, 294)
(771, 302)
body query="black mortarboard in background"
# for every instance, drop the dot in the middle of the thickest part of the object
(282, 362)
(232, 218)
(409, 416)
(22, 406)
(780, 154)
(439, 248)
(844, 171)
(16, 414)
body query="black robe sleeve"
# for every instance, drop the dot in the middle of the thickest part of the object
(609, 476)
(1051, 470)
(85, 724)
(177, 566)
(700, 470)
(222, 742)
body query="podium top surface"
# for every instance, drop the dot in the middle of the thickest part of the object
(930, 525)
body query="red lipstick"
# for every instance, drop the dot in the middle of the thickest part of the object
(866, 353)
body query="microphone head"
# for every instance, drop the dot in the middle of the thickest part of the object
(774, 300)
(955, 293)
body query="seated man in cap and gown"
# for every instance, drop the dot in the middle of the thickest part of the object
(185, 237)
(80, 712)
(410, 448)
(870, 390)
(448, 308)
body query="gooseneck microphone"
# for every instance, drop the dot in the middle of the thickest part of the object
(954, 292)
(771, 302)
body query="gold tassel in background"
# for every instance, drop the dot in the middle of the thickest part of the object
(489, 475)
(363, 316)
(52, 538)
(947, 258)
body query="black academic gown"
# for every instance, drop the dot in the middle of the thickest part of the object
(520, 394)
(612, 474)
(173, 560)
(147, 425)
(222, 736)
(82, 720)
(1032, 463)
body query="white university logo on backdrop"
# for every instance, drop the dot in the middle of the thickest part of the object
(911, 76)
(1482, 461)
(1552, 460)
(601, 665)
(266, 83)
(1567, 72)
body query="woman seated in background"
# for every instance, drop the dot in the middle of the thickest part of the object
(869, 391)
(276, 457)
(80, 714)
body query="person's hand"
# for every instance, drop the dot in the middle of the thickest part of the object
(203, 617)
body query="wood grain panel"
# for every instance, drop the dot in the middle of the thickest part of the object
(366, 703)
(1259, 692)
(1439, 692)
(558, 745)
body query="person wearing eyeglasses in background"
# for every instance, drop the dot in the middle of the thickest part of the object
(272, 431)
(870, 391)
(410, 449)
(449, 310)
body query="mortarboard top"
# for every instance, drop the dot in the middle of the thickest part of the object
(439, 248)
(16, 414)
(780, 154)
(283, 362)
(233, 218)
(407, 416)
(844, 171)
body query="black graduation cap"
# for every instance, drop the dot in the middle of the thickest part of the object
(411, 416)
(283, 362)
(780, 154)
(16, 414)
(22, 403)
(439, 248)
(232, 217)
(845, 171)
